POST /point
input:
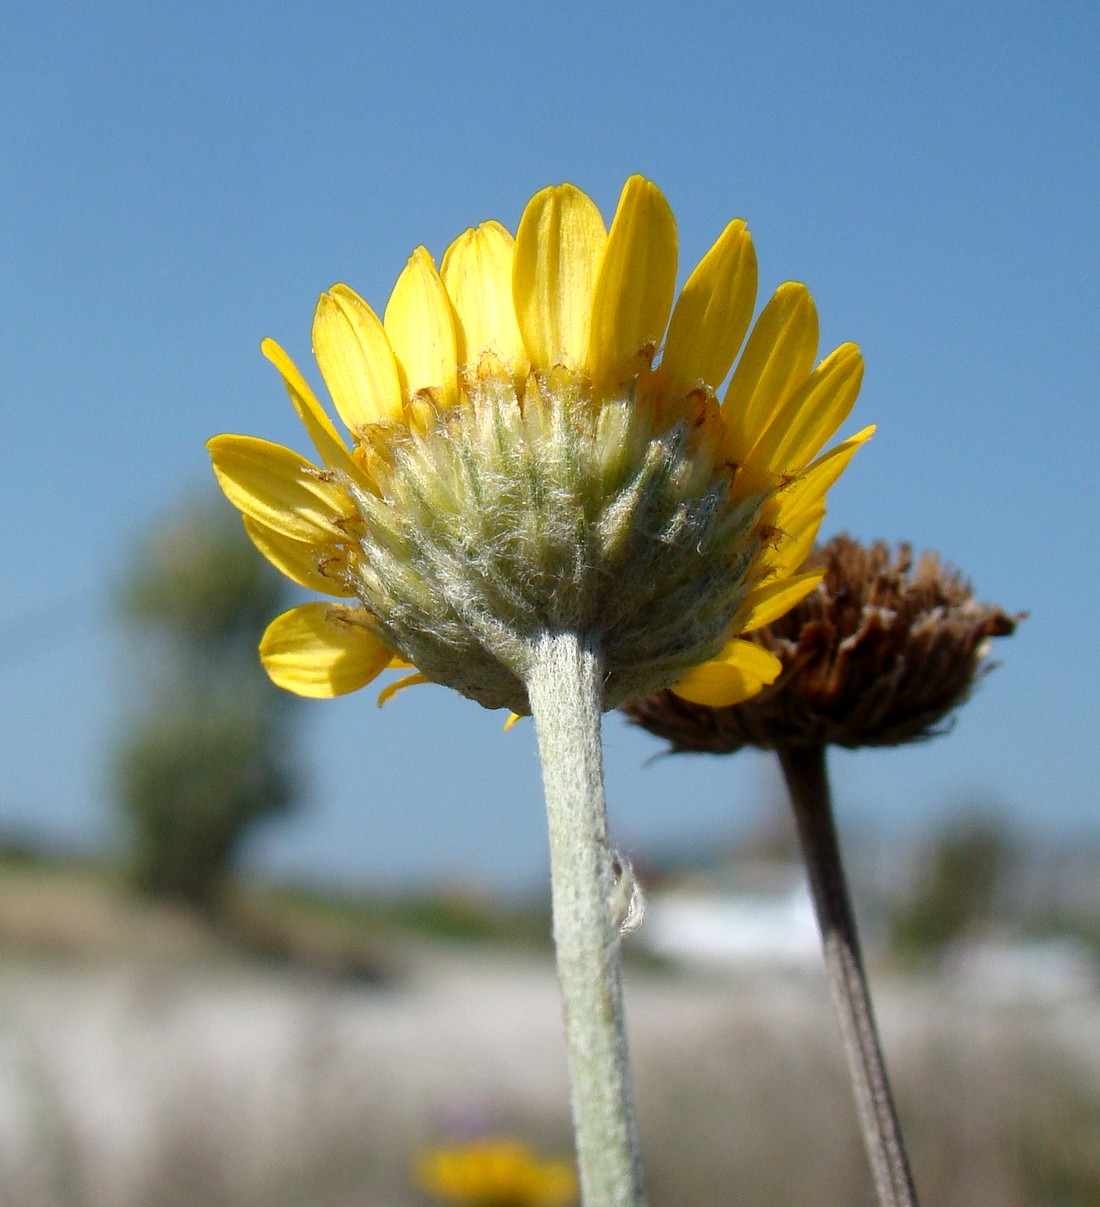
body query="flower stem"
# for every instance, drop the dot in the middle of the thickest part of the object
(808, 783)
(564, 687)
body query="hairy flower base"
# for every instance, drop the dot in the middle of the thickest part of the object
(500, 520)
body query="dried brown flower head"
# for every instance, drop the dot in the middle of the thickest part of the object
(880, 654)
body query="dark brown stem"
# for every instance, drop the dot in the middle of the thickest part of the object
(808, 784)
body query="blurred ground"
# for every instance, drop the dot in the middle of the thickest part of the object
(159, 1069)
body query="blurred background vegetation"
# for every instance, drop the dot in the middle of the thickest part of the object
(240, 1041)
(208, 748)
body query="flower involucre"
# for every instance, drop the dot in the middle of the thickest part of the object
(538, 443)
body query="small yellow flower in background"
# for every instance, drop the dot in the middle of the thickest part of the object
(496, 1173)
(540, 442)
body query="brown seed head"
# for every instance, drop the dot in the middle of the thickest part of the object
(880, 654)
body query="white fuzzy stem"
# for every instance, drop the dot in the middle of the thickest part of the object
(564, 687)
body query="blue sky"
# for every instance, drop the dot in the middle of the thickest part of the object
(182, 180)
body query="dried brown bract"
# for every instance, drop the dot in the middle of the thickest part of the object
(880, 654)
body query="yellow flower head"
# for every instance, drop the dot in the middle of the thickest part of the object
(540, 441)
(496, 1173)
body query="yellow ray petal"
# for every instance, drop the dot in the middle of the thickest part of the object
(421, 329)
(391, 689)
(777, 359)
(356, 360)
(322, 650)
(559, 245)
(810, 487)
(737, 673)
(770, 601)
(477, 271)
(300, 561)
(711, 316)
(635, 285)
(796, 541)
(322, 432)
(282, 490)
(812, 413)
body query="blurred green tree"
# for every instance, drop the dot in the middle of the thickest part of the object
(208, 749)
(957, 886)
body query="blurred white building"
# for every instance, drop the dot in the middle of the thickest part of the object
(766, 919)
